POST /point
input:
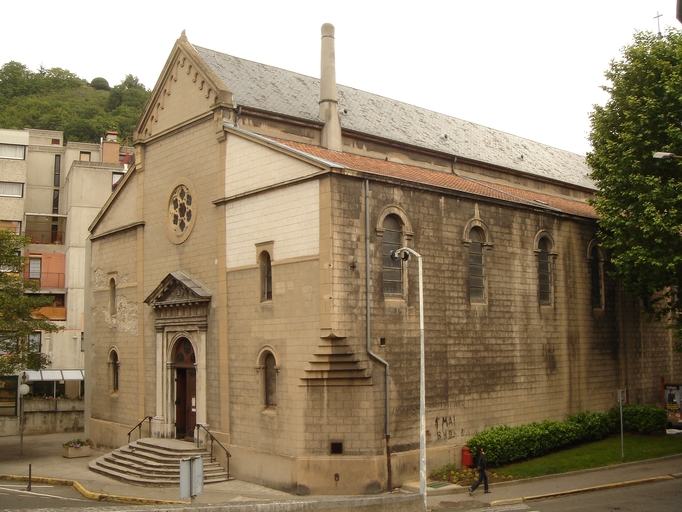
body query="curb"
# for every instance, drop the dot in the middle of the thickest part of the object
(96, 496)
(583, 490)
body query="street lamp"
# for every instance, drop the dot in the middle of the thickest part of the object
(404, 254)
(23, 389)
(665, 156)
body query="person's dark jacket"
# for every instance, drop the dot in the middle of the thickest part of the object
(482, 463)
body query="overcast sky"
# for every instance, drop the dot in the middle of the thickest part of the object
(529, 67)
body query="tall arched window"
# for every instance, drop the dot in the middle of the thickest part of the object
(265, 276)
(392, 269)
(544, 272)
(113, 371)
(476, 266)
(112, 297)
(270, 380)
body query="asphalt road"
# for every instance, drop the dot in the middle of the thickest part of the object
(14, 496)
(662, 496)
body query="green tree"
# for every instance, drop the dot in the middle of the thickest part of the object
(639, 198)
(19, 310)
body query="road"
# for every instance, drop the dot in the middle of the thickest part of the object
(663, 496)
(14, 496)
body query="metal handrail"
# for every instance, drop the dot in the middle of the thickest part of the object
(139, 425)
(227, 454)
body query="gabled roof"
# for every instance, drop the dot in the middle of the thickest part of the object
(347, 163)
(178, 288)
(283, 92)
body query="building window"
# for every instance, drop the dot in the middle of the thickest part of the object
(476, 267)
(115, 178)
(11, 189)
(596, 262)
(112, 297)
(55, 201)
(544, 271)
(114, 367)
(270, 380)
(9, 395)
(11, 225)
(392, 268)
(85, 156)
(34, 267)
(57, 169)
(12, 151)
(265, 265)
(35, 342)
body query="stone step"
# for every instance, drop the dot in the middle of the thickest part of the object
(120, 458)
(155, 462)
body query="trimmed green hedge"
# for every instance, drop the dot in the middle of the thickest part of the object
(504, 444)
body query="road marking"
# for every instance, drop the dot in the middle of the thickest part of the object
(31, 493)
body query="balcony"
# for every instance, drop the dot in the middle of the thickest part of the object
(48, 280)
(46, 237)
(54, 313)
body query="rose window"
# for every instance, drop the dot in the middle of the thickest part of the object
(180, 209)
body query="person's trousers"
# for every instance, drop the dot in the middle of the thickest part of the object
(482, 477)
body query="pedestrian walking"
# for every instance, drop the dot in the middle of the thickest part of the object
(481, 466)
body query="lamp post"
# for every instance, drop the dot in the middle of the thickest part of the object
(404, 253)
(23, 389)
(661, 155)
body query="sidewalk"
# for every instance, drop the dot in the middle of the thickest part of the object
(519, 491)
(43, 453)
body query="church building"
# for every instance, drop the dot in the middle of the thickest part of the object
(240, 279)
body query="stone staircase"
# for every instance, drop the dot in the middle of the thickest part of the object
(155, 462)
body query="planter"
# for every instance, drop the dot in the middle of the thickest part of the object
(71, 453)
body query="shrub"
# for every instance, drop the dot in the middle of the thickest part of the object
(645, 419)
(594, 425)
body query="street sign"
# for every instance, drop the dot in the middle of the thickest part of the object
(191, 477)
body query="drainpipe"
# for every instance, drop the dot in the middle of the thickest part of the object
(368, 339)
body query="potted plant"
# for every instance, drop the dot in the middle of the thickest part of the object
(75, 448)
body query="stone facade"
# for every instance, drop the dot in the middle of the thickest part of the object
(243, 257)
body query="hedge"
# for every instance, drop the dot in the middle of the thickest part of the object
(504, 444)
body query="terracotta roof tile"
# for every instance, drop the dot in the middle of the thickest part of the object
(453, 182)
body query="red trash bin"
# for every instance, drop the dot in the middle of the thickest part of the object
(467, 458)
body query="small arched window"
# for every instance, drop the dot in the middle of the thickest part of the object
(265, 276)
(270, 391)
(476, 266)
(392, 268)
(113, 364)
(544, 272)
(112, 297)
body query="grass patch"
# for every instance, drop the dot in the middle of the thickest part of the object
(606, 452)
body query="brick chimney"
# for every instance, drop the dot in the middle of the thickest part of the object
(110, 147)
(329, 104)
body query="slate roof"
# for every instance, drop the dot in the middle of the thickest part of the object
(291, 94)
(453, 182)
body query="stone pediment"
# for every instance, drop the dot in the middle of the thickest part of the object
(178, 289)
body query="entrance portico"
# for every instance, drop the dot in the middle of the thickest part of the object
(181, 307)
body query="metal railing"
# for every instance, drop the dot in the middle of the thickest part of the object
(45, 237)
(139, 426)
(213, 439)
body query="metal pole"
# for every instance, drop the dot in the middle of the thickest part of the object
(422, 393)
(422, 379)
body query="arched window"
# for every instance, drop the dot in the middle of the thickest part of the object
(392, 269)
(112, 297)
(544, 271)
(265, 276)
(596, 262)
(476, 266)
(270, 394)
(113, 364)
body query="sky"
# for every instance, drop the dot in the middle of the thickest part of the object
(533, 68)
